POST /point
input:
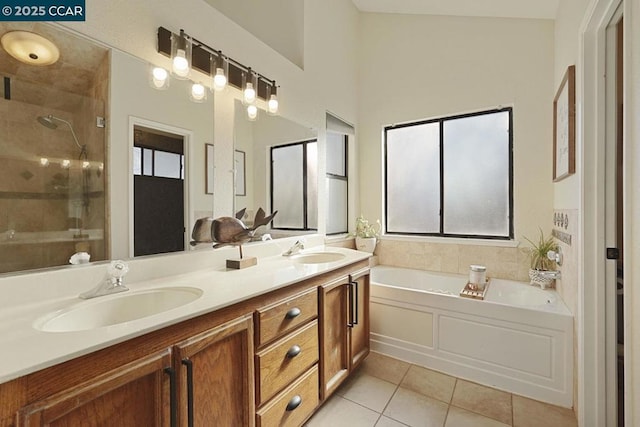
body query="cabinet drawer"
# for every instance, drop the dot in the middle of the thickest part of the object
(283, 361)
(277, 319)
(294, 405)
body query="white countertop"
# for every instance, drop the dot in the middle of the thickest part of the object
(28, 298)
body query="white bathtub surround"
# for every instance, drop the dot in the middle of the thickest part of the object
(519, 339)
(505, 262)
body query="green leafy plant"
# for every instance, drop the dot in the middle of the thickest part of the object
(538, 252)
(366, 229)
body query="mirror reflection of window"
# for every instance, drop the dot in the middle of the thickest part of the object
(294, 185)
(338, 134)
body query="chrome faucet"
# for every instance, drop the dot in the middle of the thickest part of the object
(295, 249)
(111, 283)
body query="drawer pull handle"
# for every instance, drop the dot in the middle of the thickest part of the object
(294, 403)
(293, 351)
(293, 313)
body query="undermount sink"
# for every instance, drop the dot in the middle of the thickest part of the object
(125, 307)
(317, 257)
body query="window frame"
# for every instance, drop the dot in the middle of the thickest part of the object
(305, 195)
(441, 121)
(344, 178)
(153, 150)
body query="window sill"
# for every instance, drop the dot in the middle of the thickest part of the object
(453, 240)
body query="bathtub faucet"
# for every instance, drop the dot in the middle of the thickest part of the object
(550, 274)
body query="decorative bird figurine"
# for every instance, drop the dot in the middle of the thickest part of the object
(229, 231)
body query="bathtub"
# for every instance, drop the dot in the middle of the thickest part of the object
(518, 339)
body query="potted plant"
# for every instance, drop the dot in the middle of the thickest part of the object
(540, 261)
(367, 234)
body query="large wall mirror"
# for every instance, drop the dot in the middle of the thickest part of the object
(58, 158)
(275, 167)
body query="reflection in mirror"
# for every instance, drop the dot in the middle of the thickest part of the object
(256, 139)
(158, 191)
(52, 152)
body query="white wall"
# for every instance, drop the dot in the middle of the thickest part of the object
(416, 67)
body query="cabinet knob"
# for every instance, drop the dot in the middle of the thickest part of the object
(294, 403)
(294, 312)
(293, 351)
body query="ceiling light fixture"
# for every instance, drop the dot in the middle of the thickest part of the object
(30, 48)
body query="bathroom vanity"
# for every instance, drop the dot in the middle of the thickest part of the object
(269, 359)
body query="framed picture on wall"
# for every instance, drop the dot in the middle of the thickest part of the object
(239, 165)
(208, 168)
(564, 127)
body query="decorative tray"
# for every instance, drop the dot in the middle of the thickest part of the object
(471, 291)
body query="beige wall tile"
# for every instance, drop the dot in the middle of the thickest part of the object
(530, 413)
(384, 367)
(429, 383)
(483, 400)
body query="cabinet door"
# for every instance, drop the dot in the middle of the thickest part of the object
(334, 354)
(359, 319)
(216, 382)
(137, 394)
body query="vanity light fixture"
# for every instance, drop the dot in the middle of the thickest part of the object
(65, 164)
(220, 70)
(181, 55)
(198, 93)
(248, 89)
(44, 162)
(252, 112)
(272, 103)
(159, 78)
(190, 54)
(86, 164)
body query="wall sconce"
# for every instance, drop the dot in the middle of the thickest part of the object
(159, 78)
(181, 55)
(272, 103)
(219, 71)
(248, 89)
(188, 53)
(198, 93)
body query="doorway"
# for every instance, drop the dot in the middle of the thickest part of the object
(614, 220)
(158, 189)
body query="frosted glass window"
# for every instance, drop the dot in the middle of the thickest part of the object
(451, 176)
(337, 215)
(147, 162)
(312, 185)
(288, 190)
(476, 178)
(168, 165)
(336, 154)
(137, 161)
(413, 179)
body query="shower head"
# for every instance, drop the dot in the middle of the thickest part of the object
(50, 120)
(47, 121)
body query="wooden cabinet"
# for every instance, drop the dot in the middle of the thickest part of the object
(137, 394)
(204, 380)
(216, 379)
(269, 360)
(287, 360)
(344, 328)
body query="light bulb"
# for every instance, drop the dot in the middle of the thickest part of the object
(181, 64)
(252, 112)
(219, 80)
(272, 105)
(249, 93)
(198, 93)
(66, 164)
(160, 78)
(44, 162)
(86, 165)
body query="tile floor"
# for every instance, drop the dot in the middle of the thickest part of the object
(387, 392)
